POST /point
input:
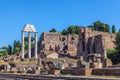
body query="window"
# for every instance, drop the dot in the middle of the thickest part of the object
(72, 38)
(63, 39)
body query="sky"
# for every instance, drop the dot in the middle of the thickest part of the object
(58, 14)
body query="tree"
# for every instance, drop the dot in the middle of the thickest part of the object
(5, 48)
(16, 46)
(113, 29)
(9, 49)
(26, 47)
(73, 29)
(53, 30)
(114, 55)
(3, 53)
(32, 39)
(117, 42)
(26, 39)
(91, 26)
(17, 49)
(111, 54)
(99, 26)
(64, 32)
(76, 29)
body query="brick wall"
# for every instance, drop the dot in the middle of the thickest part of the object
(58, 42)
(78, 71)
(94, 41)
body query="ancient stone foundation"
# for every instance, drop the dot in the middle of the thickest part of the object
(106, 72)
(78, 71)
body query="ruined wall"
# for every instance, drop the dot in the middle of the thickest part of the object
(59, 43)
(107, 72)
(94, 41)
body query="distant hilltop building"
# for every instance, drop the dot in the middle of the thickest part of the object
(91, 41)
(52, 44)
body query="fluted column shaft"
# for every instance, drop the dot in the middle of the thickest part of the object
(36, 44)
(29, 45)
(22, 55)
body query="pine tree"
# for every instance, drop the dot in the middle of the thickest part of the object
(113, 29)
(100, 26)
(53, 30)
(9, 49)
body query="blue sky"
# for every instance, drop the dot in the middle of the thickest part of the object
(46, 14)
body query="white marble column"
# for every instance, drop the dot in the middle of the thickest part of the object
(36, 44)
(22, 55)
(29, 45)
